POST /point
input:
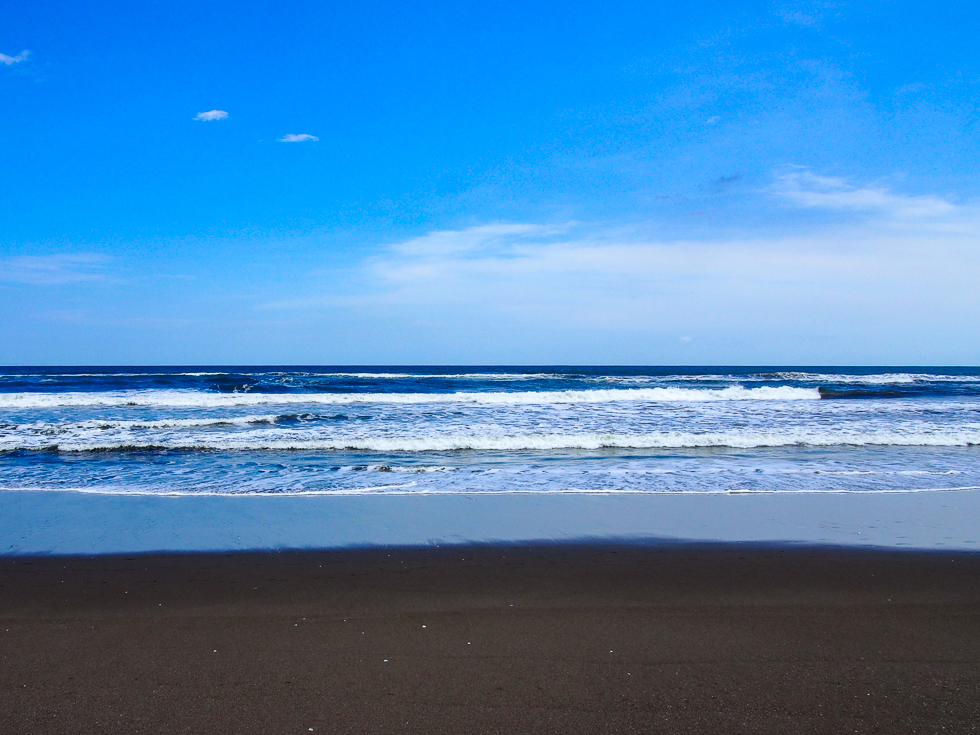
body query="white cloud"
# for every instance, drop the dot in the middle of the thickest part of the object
(474, 241)
(809, 190)
(48, 270)
(298, 138)
(8, 60)
(586, 277)
(891, 282)
(870, 283)
(211, 115)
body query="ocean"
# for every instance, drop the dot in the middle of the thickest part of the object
(408, 430)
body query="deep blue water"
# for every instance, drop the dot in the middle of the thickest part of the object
(390, 429)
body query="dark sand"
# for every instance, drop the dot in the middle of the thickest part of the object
(546, 639)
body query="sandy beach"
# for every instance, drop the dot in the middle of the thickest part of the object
(493, 638)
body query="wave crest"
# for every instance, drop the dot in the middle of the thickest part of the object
(532, 442)
(196, 399)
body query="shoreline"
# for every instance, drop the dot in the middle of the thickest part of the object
(67, 523)
(541, 638)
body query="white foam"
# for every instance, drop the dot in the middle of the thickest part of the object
(447, 376)
(305, 374)
(524, 442)
(111, 375)
(99, 424)
(416, 469)
(197, 399)
(874, 379)
(407, 489)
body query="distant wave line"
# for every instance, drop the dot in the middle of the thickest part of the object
(789, 375)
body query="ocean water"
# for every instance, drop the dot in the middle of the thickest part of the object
(325, 430)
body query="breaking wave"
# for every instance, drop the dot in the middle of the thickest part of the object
(528, 442)
(196, 399)
(395, 429)
(96, 424)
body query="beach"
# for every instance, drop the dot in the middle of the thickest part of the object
(494, 638)
(574, 550)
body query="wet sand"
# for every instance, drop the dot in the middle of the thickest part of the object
(493, 639)
(75, 523)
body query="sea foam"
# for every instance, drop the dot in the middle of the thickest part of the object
(197, 399)
(520, 442)
(247, 430)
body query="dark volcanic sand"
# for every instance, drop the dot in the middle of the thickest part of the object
(560, 639)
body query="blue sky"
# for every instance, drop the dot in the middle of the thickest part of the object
(394, 183)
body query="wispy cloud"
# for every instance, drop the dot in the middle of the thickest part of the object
(806, 189)
(298, 138)
(574, 277)
(211, 115)
(49, 270)
(475, 241)
(8, 60)
(866, 275)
